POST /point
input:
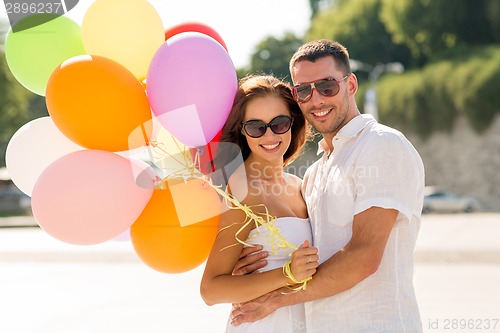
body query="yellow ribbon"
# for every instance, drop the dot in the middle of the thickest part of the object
(287, 271)
(190, 170)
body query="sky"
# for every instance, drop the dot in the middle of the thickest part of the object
(240, 23)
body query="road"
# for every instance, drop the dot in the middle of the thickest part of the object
(47, 286)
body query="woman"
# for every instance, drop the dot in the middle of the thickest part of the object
(268, 127)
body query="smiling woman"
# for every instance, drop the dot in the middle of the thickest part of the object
(271, 212)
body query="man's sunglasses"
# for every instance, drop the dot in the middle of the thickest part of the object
(257, 128)
(327, 87)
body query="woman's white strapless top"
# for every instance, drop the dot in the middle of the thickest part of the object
(291, 318)
(294, 229)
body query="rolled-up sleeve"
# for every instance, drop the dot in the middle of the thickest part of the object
(389, 174)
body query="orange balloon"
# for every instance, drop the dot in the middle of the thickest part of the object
(158, 237)
(97, 103)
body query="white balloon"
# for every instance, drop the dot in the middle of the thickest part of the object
(32, 148)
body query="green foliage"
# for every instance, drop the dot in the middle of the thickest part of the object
(272, 56)
(318, 5)
(395, 100)
(13, 106)
(429, 100)
(466, 80)
(447, 74)
(430, 28)
(16, 103)
(493, 18)
(357, 25)
(360, 94)
(477, 77)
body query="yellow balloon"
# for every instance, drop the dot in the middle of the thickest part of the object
(128, 32)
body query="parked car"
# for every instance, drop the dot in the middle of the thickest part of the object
(445, 201)
(13, 201)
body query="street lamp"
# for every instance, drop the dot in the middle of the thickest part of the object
(374, 73)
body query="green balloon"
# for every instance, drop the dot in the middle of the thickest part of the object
(33, 53)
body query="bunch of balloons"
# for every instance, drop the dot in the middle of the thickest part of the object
(113, 86)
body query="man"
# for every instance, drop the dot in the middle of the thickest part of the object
(364, 198)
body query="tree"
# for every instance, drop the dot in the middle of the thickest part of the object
(493, 17)
(272, 55)
(14, 106)
(319, 5)
(432, 28)
(357, 25)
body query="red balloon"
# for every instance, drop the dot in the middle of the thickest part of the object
(194, 27)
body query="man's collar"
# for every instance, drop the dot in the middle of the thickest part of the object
(350, 130)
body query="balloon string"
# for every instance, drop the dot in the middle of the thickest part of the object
(144, 132)
(265, 220)
(190, 170)
(185, 162)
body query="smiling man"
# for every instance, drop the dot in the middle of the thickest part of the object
(364, 199)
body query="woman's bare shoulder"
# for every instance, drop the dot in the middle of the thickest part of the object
(239, 187)
(293, 178)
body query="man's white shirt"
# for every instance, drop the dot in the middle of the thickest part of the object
(371, 165)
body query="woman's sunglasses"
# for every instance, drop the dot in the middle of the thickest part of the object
(327, 87)
(257, 128)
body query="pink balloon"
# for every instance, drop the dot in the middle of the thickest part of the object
(91, 196)
(191, 85)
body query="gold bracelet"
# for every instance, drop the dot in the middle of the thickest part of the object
(287, 272)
